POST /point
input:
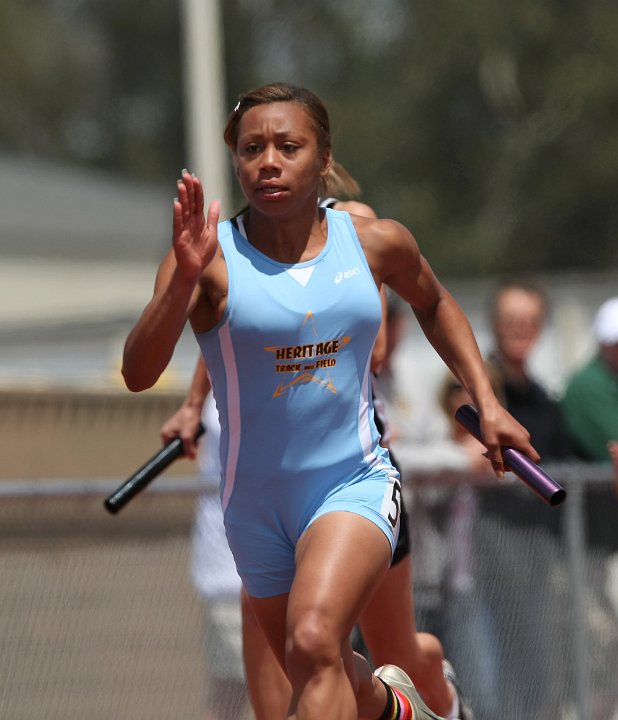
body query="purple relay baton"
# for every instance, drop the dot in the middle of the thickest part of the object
(536, 479)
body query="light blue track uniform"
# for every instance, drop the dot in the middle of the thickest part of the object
(290, 368)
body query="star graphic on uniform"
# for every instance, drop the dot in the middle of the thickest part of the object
(307, 362)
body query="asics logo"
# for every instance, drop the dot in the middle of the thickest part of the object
(346, 274)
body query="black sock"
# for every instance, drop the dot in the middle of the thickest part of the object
(391, 702)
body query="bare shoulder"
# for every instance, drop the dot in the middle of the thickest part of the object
(396, 260)
(387, 239)
(354, 207)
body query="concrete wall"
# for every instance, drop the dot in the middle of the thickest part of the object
(65, 433)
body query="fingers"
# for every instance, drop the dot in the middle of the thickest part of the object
(532, 453)
(188, 181)
(187, 434)
(183, 198)
(522, 442)
(494, 455)
(177, 224)
(190, 448)
(167, 435)
(187, 195)
(199, 194)
(490, 433)
(214, 210)
(190, 195)
(195, 237)
(183, 424)
(503, 432)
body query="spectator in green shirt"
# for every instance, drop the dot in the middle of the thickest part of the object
(590, 403)
(590, 409)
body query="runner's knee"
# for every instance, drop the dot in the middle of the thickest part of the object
(313, 645)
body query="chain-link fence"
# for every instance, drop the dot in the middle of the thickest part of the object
(524, 596)
(99, 619)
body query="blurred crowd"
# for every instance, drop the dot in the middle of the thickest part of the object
(454, 599)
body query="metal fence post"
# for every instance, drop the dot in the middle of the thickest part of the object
(575, 539)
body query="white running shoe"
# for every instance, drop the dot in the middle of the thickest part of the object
(397, 678)
(465, 712)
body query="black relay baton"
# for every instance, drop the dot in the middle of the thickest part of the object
(142, 477)
(535, 478)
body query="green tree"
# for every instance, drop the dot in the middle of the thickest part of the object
(94, 82)
(488, 128)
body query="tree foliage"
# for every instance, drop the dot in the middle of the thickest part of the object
(93, 81)
(488, 128)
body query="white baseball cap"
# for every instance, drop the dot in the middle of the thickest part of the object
(606, 323)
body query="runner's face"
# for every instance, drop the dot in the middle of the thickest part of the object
(277, 158)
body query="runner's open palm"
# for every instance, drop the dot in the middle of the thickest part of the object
(194, 237)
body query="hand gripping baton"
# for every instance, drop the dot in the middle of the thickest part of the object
(535, 478)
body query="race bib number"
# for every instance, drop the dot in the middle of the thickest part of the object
(391, 507)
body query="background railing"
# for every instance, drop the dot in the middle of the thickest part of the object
(524, 596)
(99, 618)
(80, 433)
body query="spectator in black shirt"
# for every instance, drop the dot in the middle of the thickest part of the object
(518, 313)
